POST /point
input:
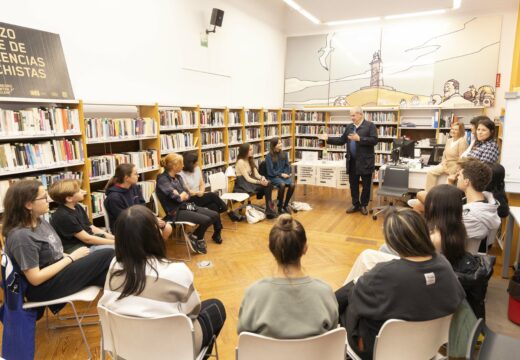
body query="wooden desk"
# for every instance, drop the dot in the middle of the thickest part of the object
(514, 216)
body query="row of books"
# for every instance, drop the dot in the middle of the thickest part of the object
(386, 131)
(384, 146)
(105, 165)
(211, 118)
(177, 141)
(178, 118)
(235, 135)
(334, 156)
(308, 142)
(286, 143)
(252, 117)
(335, 129)
(286, 116)
(381, 117)
(309, 129)
(271, 131)
(233, 118)
(310, 116)
(256, 149)
(286, 129)
(105, 128)
(18, 156)
(336, 147)
(383, 158)
(206, 173)
(447, 120)
(271, 117)
(252, 133)
(45, 179)
(147, 188)
(212, 137)
(233, 153)
(97, 198)
(38, 121)
(212, 157)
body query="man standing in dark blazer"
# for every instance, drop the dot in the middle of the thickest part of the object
(360, 138)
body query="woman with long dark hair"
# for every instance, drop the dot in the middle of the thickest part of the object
(177, 202)
(122, 192)
(33, 245)
(249, 180)
(142, 281)
(485, 148)
(279, 173)
(497, 188)
(291, 304)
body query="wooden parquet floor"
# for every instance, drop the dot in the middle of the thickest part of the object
(334, 238)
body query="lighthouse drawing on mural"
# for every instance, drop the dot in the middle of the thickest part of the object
(376, 76)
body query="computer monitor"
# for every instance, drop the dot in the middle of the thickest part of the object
(403, 149)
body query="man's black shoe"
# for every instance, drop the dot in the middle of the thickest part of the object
(353, 209)
(364, 210)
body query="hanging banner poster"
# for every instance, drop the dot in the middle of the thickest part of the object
(32, 64)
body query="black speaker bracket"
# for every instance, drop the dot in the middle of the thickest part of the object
(212, 31)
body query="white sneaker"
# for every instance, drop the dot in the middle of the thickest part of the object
(413, 203)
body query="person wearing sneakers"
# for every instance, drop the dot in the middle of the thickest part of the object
(360, 138)
(279, 173)
(176, 201)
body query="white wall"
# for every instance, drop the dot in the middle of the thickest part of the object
(131, 51)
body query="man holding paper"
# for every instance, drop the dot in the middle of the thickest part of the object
(360, 138)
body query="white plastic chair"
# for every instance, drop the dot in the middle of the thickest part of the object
(328, 346)
(218, 182)
(177, 224)
(106, 217)
(167, 337)
(409, 340)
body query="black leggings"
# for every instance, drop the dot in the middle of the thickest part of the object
(281, 191)
(267, 192)
(211, 201)
(203, 217)
(211, 319)
(87, 271)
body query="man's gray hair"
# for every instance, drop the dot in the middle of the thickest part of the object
(356, 109)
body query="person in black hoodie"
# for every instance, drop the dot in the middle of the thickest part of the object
(122, 192)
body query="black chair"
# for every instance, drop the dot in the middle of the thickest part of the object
(494, 346)
(395, 185)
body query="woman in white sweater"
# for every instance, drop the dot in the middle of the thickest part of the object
(142, 282)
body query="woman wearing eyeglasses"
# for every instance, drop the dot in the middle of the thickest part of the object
(33, 245)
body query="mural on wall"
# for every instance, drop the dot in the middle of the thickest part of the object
(450, 62)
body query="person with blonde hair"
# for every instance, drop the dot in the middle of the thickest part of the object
(454, 148)
(291, 304)
(175, 198)
(71, 222)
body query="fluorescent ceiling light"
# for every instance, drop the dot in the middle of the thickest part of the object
(456, 4)
(423, 13)
(352, 21)
(302, 11)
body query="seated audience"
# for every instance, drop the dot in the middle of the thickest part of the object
(142, 282)
(71, 222)
(418, 286)
(33, 245)
(176, 201)
(290, 305)
(453, 149)
(485, 148)
(192, 177)
(480, 211)
(443, 213)
(122, 192)
(249, 180)
(279, 173)
(474, 123)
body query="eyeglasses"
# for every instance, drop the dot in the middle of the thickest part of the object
(46, 198)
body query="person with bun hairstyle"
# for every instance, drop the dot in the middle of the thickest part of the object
(176, 200)
(291, 304)
(420, 285)
(143, 282)
(122, 192)
(35, 248)
(249, 179)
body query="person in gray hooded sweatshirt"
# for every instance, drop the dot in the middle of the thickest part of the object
(480, 211)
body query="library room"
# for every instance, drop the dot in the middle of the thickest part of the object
(260, 179)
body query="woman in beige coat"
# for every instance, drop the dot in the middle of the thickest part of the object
(455, 146)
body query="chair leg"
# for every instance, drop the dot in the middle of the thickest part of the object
(69, 317)
(186, 239)
(81, 329)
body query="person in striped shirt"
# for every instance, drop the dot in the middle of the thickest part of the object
(142, 282)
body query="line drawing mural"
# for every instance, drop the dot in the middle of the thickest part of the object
(450, 62)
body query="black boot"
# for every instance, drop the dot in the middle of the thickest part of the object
(217, 236)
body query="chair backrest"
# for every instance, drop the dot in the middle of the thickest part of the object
(158, 210)
(396, 177)
(168, 337)
(411, 340)
(106, 217)
(328, 346)
(218, 183)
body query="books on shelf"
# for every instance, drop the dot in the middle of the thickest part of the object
(209, 118)
(234, 135)
(256, 149)
(271, 117)
(105, 165)
(382, 159)
(310, 116)
(333, 156)
(271, 131)
(97, 198)
(212, 157)
(308, 129)
(19, 156)
(384, 146)
(379, 117)
(178, 118)
(39, 121)
(208, 172)
(234, 118)
(308, 142)
(233, 153)
(286, 143)
(286, 116)
(252, 133)
(102, 129)
(178, 142)
(386, 131)
(147, 188)
(336, 130)
(212, 137)
(286, 130)
(252, 117)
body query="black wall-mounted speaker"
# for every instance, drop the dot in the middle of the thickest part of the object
(217, 16)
